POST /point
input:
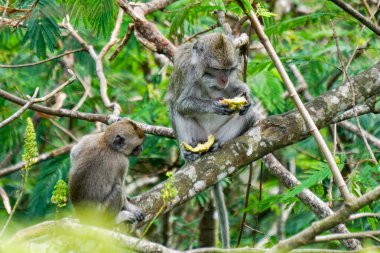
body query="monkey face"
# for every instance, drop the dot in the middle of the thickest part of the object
(218, 78)
(137, 150)
(125, 137)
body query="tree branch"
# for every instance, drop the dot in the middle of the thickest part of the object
(43, 157)
(98, 60)
(43, 61)
(326, 238)
(146, 32)
(93, 117)
(21, 110)
(266, 136)
(354, 13)
(71, 228)
(310, 124)
(318, 227)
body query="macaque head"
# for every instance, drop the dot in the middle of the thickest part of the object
(124, 136)
(219, 57)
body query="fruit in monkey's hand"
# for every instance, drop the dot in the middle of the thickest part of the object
(235, 103)
(201, 147)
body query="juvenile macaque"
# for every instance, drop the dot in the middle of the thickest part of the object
(206, 73)
(98, 169)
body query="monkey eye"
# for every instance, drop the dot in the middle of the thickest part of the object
(209, 75)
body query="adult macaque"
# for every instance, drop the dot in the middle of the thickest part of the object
(98, 169)
(206, 72)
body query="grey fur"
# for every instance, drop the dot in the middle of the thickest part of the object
(193, 96)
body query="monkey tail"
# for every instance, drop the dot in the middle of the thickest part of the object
(220, 205)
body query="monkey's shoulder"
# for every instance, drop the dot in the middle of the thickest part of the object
(86, 144)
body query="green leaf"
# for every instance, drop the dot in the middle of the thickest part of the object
(100, 15)
(42, 28)
(320, 173)
(292, 23)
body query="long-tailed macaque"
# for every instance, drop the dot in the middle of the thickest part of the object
(98, 169)
(206, 71)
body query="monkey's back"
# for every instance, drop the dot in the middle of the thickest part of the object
(95, 169)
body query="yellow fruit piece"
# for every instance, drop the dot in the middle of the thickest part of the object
(201, 147)
(235, 103)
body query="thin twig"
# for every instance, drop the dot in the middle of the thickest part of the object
(87, 91)
(368, 9)
(43, 61)
(246, 203)
(58, 89)
(369, 106)
(5, 198)
(260, 232)
(327, 238)
(4, 12)
(21, 110)
(201, 32)
(353, 93)
(357, 15)
(352, 128)
(364, 215)
(309, 234)
(72, 136)
(125, 40)
(115, 107)
(42, 157)
(297, 101)
(93, 117)
(331, 184)
(114, 35)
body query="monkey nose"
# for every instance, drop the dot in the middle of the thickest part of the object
(223, 82)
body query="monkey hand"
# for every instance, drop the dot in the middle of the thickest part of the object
(131, 214)
(220, 108)
(215, 146)
(245, 108)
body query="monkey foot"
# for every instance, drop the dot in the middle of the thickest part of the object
(130, 216)
(190, 156)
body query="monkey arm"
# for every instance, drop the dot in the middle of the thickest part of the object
(192, 105)
(114, 199)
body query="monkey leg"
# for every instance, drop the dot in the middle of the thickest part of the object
(234, 127)
(189, 131)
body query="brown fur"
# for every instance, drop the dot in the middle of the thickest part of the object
(99, 166)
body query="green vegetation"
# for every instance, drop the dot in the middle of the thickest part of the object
(137, 80)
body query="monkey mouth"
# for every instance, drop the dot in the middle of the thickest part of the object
(137, 150)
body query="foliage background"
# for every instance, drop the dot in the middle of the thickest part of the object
(137, 81)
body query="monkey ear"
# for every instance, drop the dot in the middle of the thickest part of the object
(118, 142)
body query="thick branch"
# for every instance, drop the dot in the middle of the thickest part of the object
(266, 136)
(146, 32)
